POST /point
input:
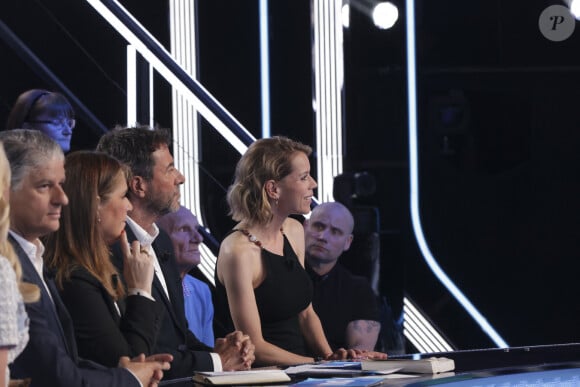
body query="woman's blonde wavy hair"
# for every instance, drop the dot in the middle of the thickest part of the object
(266, 159)
(30, 292)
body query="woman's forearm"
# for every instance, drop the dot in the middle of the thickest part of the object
(313, 333)
(270, 354)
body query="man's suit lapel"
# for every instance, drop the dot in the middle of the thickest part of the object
(164, 251)
(165, 255)
(63, 316)
(172, 279)
(58, 319)
(157, 288)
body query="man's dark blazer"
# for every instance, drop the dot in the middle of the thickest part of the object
(189, 354)
(50, 358)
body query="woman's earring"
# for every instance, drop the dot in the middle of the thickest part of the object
(276, 202)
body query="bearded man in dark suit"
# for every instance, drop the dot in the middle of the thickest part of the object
(154, 191)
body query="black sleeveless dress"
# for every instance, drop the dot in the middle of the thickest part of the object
(285, 292)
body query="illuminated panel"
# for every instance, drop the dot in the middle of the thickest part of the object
(328, 83)
(171, 77)
(131, 85)
(265, 68)
(132, 89)
(151, 100)
(414, 180)
(184, 100)
(186, 150)
(420, 332)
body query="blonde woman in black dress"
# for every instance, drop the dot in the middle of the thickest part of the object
(262, 287)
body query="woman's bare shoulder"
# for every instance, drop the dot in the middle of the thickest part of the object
(293, 228)
(295, 234)
(292, 224)
(235, 246)
(238, 259)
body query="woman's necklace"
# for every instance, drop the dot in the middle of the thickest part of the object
(253, 238)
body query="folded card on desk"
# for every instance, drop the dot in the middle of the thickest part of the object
(241, 377)
(431, 365)
(335, 368)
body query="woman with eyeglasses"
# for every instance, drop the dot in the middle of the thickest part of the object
(47, 111)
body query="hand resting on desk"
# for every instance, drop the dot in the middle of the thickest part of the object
(149, 370)
(355, 354)
(236, 351)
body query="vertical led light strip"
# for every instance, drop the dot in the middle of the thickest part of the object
(185, 125)
(185, 121)
(132, 89)
(151, 98)
(131, 85)
(328, 83)
(265, 68)
(414, 181)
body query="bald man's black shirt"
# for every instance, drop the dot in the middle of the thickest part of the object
(339, 298)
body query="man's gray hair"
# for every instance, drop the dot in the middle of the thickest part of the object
(27, 149)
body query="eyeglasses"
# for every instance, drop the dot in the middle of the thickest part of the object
(70, 122)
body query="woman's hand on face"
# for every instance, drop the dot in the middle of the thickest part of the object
(138, 268)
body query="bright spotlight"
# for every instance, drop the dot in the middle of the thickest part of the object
(345, 15)
(575, 8)
(385, 15)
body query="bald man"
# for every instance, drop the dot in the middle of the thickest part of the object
(345, 303)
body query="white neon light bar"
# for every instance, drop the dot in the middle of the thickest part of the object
(186, 149)
(417, 328)
(328, 84)
(131, 85)
(422, 321)
(414, 181)
(417, 337)
(265, 68)
(151, 98)
(169, 76)
(412, 328)
(417, 340)
(185, 123)
(132, 89)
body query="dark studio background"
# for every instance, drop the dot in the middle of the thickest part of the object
(498, 129)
